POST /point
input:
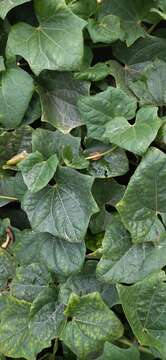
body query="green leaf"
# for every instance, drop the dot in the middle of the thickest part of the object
(106, 30)
(59, 94)
(113, 352)
(113, 161)
(11, 189)
(144, 198)
(29, 281)
(36, 171)
(7, 5)
(2, 64)
(83, 8)
(19, 323)
(46, 316)
(15, 337)
(86, 282)
(161, 136)
(137, 137)
(126, 263)
(62, 257)
(115, 164)
(7, 268)
(131, 16)
(56, 143)
(15, 94)
(33, 112)
(14, 142)
(99, 221)
(150, 84)
(107, 191)
(119, 73)
(95, 73)
(27, 246)
(144, 305)
(63, 210)
(148, 49)
(51, 45)
(100, 109)
(92, 323)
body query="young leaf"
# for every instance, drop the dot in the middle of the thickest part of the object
(36, 171)
(137, 137)
(106, 30)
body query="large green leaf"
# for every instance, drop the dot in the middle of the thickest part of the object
(92, 323)
(137, 137)
(29, 281)
(63, 210)
(85, 282)
(62, 257)
(51, 45)
(36, 171)
(100, 109)
(126, 263)
(59, 94)
(113, 352)
(149, 86)
(46, 316)
(25, 330)
(144, 307)
(7, 268)
(27, 246)
(131, 15)
(144, 198)
(7, 5)
(15, 337)
(15, 94)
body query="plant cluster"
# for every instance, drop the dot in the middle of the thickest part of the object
(83, 179)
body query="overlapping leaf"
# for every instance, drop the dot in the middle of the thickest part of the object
(92, 324)
(144, 199)
(63, 210)
(50, 45)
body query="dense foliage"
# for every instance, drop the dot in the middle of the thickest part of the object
(83, 179)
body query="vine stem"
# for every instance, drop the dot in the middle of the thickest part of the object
(129, 343)
(93, 156)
